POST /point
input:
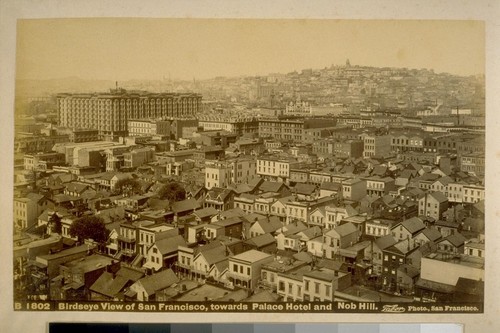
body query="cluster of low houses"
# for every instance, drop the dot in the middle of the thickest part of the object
(394, 229)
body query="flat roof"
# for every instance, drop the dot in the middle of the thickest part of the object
(64, 253)
(463, 259)
(251, 256)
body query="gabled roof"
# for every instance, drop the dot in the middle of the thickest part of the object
(413, 225)
(214, 255)
(439, 197)
(388, 199)
(293, 228)
(130, 273)
(429, 176)
(320, 209)
(254, 183)
(407, 174)
(310, 233)
(343, 230)
(252, 217)
(403, 247)
(385, 242)
(222, 265)
(456, 239)
(479, 206)
(269, 224)
(285, 200)
(414, 166)
(234, 212)
(89, 194)
(194, 189)
(35, 197)
(261, 240)
(218, 193)
(409, 270)
(415, 191)
(109, 286)
(107, 175)
(432, 234)
(185, 205)
(158, 281)
(305, 189)
(76, 187)
(268, 186)
(170, 244)
(205, 212)
(65, 177)
(241, 188)
(445, 180)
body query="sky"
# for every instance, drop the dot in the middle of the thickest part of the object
(124, 49)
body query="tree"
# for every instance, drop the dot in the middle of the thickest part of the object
(56, 225)
(172, 192)
(89, 227)
(127, 186)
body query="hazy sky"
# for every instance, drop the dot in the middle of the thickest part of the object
(122, 49)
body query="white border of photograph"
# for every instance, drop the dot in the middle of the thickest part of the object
(11, 10)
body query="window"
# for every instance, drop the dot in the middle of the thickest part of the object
(235, 268)
(316, 287)
(248, 270)
(306, 285)
(281, 286)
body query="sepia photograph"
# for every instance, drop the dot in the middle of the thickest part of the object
(236, 166)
